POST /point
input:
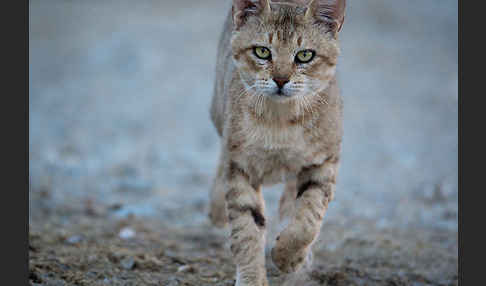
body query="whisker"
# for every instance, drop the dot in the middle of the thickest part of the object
(245, 90)
(257, 105)
(309, 105)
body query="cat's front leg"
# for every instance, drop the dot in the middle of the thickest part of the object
(315, 189)
(245, 208)
(286, 206)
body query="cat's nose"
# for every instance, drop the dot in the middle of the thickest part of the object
(280, 81)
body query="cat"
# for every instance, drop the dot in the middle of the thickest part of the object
(278, 110)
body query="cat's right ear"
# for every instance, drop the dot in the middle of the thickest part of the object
(243, 9)
(330, 13)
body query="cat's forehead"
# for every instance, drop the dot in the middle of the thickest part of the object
(284, 27)
(281, 25)
(286, 18)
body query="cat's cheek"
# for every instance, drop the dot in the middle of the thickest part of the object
(321, 72)
(245, 71)
(237, 62)
(328, 74)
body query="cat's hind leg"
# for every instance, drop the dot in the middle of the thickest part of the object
(217, 213)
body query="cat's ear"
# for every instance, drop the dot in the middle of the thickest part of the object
(330, 13)
(242, 9)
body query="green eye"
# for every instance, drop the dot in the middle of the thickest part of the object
(262, 52)
(304, 56)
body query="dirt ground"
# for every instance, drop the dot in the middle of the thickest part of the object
(122, 152)
(90, 247)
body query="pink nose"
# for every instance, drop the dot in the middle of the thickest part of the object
(280, 81)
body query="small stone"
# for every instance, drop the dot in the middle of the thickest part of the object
(173, 282)
(74, 239)
(127, 263)
(185, 268)
(127, 233)
(115, 206)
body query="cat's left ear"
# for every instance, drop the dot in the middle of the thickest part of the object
(330, 13)
(243, 9)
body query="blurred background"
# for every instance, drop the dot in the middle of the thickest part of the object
(119, 119)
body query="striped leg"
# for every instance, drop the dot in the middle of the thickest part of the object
(245, 207)
(286, 206)
(217, 213)
(315, 189)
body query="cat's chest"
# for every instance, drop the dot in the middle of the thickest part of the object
(276, 153)
(291, 139)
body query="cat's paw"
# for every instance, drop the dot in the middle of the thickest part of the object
(251, 282)
(290, 261)
(239, 283)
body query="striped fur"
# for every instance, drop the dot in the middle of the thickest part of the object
(268, 139)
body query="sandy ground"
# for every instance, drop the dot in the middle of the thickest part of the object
(122, 151)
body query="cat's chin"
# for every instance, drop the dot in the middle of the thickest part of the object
(278, 97)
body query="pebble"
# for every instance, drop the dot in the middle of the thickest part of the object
(74, 239)
(128, 263)
(185, 268)
(127, 233)
(173, 282)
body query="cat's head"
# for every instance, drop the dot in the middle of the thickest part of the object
(286, 50)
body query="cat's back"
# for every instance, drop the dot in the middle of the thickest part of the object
(224, 71)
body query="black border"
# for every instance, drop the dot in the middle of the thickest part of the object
(471, 121)
(14, 264)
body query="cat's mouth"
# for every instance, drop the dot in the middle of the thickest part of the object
(280, 96)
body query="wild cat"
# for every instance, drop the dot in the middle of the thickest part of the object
(278, 111)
